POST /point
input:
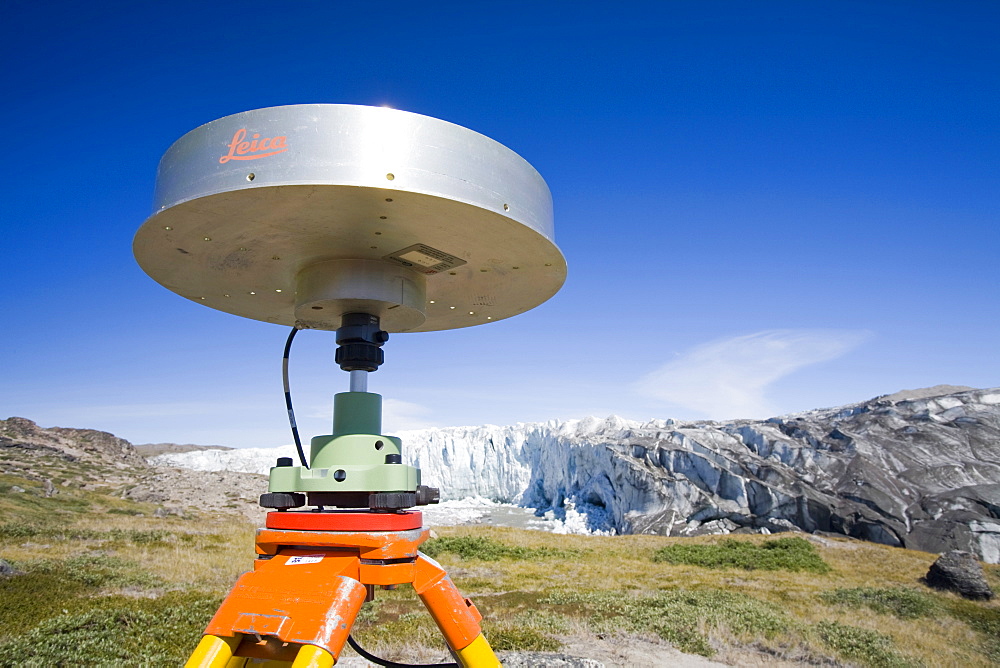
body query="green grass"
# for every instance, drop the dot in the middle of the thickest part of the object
(400, 616)
(45, 588)
(33, 507)
(30, 598)
(678, 616)
(912, 604)
(901, 602)
(983, 619)
(115, 631)
(390, 624)
(512, 637)
(115, 535)
(93, 570)
(487, 549)
(866, 646)
(784, 554)
(126, 511)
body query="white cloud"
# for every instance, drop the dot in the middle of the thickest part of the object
(400, 415)
(397, 415)
(728, 378)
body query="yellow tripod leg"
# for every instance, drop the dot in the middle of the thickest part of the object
(213, 652)
(311, 656)
(478, 654)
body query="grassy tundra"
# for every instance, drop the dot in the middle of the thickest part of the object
(102, 581)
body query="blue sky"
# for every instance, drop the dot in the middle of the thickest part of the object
(766, 207)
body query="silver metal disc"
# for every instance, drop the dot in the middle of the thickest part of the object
(246, 204)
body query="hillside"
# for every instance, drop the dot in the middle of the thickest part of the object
(154, 449)
(106, 563)
(61, 463)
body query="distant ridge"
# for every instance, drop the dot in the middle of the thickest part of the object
(155, 449)
(927, 392)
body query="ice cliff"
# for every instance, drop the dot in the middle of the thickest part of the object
(919, 470)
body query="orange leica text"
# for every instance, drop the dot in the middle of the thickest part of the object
(240, 149)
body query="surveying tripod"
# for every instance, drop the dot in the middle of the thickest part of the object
(347, 218)
(316, 568)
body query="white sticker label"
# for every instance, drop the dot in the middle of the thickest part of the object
(304, 559)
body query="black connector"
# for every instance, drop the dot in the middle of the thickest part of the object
(359, 342)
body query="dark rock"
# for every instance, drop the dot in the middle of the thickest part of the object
(6, 570)
(168, 511)
(959, 572)
(144, 494)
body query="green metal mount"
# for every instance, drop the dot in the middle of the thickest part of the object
(354, 458)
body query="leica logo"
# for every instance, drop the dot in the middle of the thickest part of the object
(240, 149)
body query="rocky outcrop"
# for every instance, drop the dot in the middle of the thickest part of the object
(101, 462)
(70, 444)
(959, 572)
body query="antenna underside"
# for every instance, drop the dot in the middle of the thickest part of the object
(300, 214)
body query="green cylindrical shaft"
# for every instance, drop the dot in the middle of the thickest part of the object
(357, 413)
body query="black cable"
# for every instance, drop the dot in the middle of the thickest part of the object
(288, 397)
(392, 664)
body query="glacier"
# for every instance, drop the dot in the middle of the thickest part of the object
(919, 470)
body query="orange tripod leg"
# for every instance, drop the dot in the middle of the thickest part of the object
(456, 616)
(299, 606)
